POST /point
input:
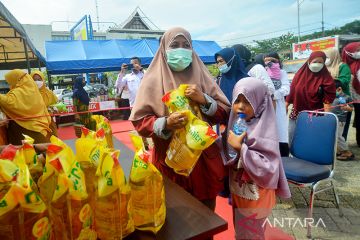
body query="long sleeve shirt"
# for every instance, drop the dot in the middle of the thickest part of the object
(260, 72)
(345, 77)
(206, 179)
(132, 82)
(280, 110)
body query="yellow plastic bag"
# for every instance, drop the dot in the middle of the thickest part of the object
(31, 158)
(89, 149)
(19, 156)
(187, 144)
(103, 123)
(22, 211)
(53, 185)
(99, 135)
(8, 173)
(147, 191)
(199, 134)
(65, 160)
(112, 215)
(176, 101)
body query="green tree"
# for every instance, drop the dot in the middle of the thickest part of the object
(284, 42)
(213, 69)
(276, 44)
(351, 28)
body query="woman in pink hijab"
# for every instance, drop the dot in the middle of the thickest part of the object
(256, 172)
(176, 63)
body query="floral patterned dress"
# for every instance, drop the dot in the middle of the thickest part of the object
(84, 118)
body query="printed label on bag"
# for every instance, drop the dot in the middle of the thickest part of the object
(85, 215)
(41, 229)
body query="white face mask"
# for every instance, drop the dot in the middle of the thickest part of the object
(316, 67)
(355, 55)
(39, 83)
(327, 61)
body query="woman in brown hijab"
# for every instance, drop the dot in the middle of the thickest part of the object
(176, 63)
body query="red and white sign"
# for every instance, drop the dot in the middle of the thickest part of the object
(303, 50)
(95, 106)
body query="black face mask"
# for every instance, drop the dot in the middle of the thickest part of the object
(269, 64)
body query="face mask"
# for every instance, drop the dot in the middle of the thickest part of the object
(39, 83)
(316, 67)
(355, 55)
(337, 94)
(224, 68)
(179, 58)
(327, 61)
(227, 66)
(268, 64)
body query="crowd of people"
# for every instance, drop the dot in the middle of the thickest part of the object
(257, 87)
(260, 89)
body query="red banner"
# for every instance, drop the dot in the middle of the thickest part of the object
(303, 50)
(93, 106)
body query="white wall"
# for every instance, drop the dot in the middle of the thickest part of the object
(38, 34)
(114, 35)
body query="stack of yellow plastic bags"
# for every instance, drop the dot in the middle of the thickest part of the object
(63, 188)
(23, 214)
(120, 207)
(83, 197)
(107, 186)
(187, 143)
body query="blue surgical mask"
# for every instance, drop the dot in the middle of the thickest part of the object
(337, 94)
(224, 68)
(227, 66)
(179, 58)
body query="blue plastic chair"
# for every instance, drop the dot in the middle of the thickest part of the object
(313, 153)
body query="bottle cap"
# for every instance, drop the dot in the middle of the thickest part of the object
(242, 115)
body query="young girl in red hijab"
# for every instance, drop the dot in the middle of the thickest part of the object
(312, 88)
(351, 56)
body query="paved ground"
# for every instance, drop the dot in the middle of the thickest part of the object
(330, 225)
(347, 176)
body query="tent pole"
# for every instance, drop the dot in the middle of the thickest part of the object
(27, 56)
(50, 82)
(39, 64)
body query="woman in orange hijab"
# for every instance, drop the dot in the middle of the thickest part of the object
(48, 96)
(25, 108)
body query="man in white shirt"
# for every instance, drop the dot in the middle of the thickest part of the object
(131, 80)
(306, 53)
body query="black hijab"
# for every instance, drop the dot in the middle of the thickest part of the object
(79, 91)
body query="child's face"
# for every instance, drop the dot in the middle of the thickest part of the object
(339, 90)
(242, 105)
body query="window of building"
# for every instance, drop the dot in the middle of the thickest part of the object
(60, 37)
(149, 38)
(99, 37)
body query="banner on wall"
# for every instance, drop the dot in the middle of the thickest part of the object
(303, 50)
